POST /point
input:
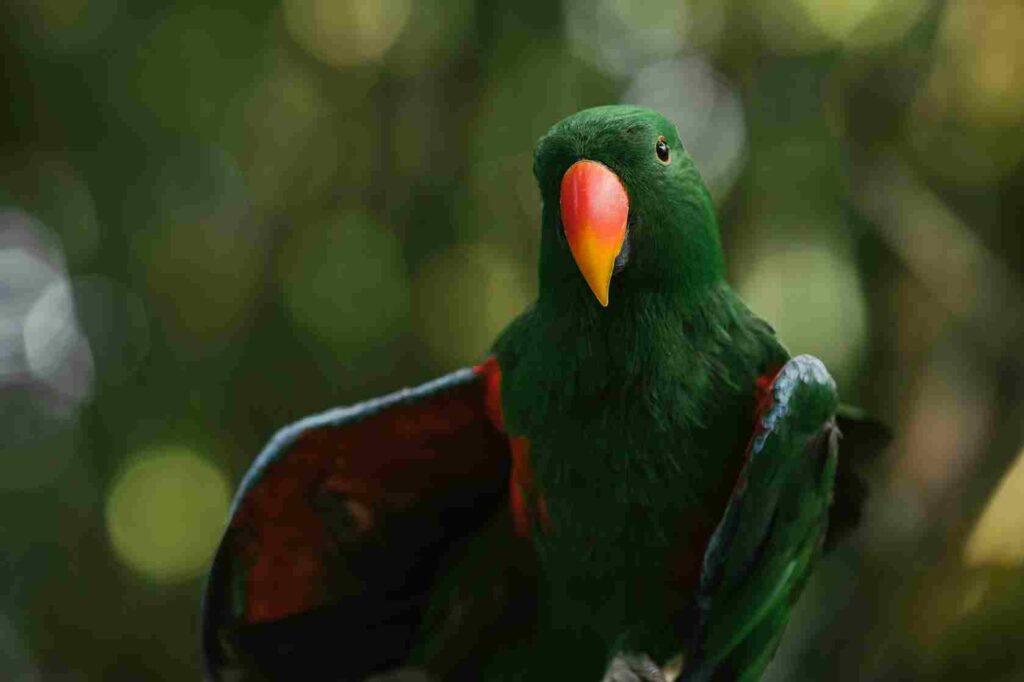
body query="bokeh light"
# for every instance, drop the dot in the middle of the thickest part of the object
(165, 512)
(619, 36)
(56, 352)
(808, 25)
(966, 116)
(464, 298)
(344, 280)
(998, 536)
(27, 272)
(811, 293)
(40, 341)
(706, 110)
(46, 371)
(983, 59)
(346, 32)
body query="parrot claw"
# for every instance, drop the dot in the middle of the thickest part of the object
(633, 668)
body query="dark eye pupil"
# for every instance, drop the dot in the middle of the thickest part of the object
(662, 150)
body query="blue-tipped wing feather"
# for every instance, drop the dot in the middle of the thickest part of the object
(773, 528)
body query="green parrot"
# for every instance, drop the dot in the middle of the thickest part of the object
(634, 485)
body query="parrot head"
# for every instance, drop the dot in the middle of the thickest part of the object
(625, 210)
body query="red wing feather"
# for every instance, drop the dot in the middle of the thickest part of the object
(359, 505)
(380, 464)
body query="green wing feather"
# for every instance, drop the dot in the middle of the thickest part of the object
(773, 530)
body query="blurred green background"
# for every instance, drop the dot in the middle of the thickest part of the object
(214, 221)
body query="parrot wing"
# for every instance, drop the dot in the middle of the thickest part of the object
(343, 524)
(773, 528)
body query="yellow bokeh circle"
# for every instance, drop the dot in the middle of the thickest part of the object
(165, 512)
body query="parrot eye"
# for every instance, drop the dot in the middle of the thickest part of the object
(661, 149)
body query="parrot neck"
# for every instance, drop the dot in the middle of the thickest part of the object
(657, 353)
(636, 414)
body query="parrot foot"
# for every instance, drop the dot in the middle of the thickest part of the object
(633, 668)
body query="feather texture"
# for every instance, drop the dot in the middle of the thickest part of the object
(615, 486)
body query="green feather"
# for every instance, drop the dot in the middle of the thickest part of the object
(685, 508)
(638, 414)
(773, 530)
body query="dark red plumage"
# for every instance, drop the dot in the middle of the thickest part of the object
(426, 449)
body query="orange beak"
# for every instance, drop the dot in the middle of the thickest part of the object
(595, 208)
